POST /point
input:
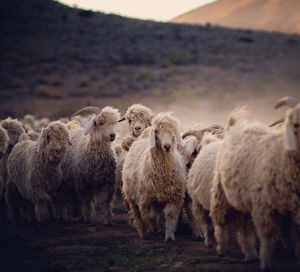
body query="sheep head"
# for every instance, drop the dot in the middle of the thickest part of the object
(164, 135)
(291, 127)
(14, 129)
(102, 126)
(3, 142)
(138, 117)
(54, 142)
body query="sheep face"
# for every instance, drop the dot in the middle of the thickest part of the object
(14, 129)
(3, 142)
(54, 142)
(291, 136)
(163, 139)
(102, 126)
(137, 123)
(103, 131)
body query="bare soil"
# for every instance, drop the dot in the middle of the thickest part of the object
(77, 246)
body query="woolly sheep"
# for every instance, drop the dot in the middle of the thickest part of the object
(154, 178)
(138, 118)
(257, 180)
(3, 147)
(192, 144)
(34, 172)
(14, 129)
(90, 165)
(199, 186)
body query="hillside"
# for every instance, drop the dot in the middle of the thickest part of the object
(267, 15)
(55, 59)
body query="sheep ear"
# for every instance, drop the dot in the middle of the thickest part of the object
(152, 139)
(289, 139)
(88, 127)
(179, 139)
(40, 143)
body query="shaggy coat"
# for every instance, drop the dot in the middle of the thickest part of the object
(34, 171)
(138, 118)
(257, 177)
(199, 185)
(91, 163)
(154, 178)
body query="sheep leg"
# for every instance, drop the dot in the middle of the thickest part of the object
(297, 238)
(201, 223)
(219, 209)
(86, 209)
(105, 201)
(171, 216)
(134, 213)
(13, 198)
(149, 215)
(246, 239)
(41, 210)
(192, 220)
(265, 228)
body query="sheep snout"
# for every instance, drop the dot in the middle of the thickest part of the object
(167, 147)
(112, 137)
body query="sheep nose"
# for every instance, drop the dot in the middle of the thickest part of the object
(58, 151)
(137, 128)
(112, 136)
(167, 147)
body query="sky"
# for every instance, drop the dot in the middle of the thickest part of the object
(158, 10)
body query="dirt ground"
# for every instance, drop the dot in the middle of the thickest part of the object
(84, 247)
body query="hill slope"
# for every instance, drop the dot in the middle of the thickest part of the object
(54, 54)
(268, 15)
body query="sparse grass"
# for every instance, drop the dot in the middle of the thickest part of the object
(46, 92)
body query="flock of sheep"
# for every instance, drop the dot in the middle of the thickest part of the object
(244, 177)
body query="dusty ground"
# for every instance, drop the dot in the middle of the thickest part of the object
(84, 247)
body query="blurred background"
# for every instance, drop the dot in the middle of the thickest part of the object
(200, 59)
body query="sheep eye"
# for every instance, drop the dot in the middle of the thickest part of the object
(296, 125)
(48, 139)
(195, 153)
(101, 124)
(129, 121)
(95, 123)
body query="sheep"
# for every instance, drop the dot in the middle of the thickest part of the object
(3, 148)
(154, 178)
(34, 172)
(91, 162)
(256, 182)
(14, 129)
(199, 185)
(192, 144)
(138, 118)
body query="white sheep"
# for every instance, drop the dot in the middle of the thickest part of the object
(34, 172)
(192, 145)
(154, 177)
(257, 180)
(137, 117)
(91, 162)
(199, 185)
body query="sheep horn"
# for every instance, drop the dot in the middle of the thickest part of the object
(277, 122)
(197, 133)
(122, 119)
(215, 126)
(287, 101)
(89, 109)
